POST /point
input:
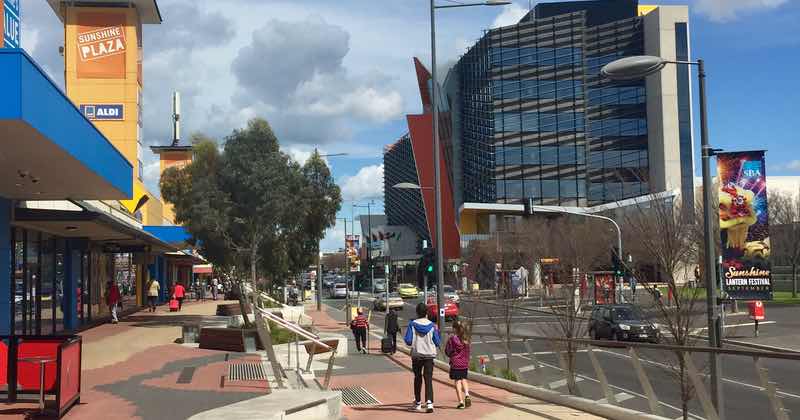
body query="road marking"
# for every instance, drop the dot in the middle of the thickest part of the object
(748, 324)
(527, 368)
(668, 368)
(621, 397)
(563, 382)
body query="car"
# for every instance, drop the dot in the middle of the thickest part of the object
(451, 294)
(622, 322)
(379, 285)
(328, 281)
(395, 301)
(339, 290)
(407, 290)
(450, 309)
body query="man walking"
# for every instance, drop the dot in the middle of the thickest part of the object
(392, 328)
(179, 293)
(423, 337)
(359, 326)
(214, 282)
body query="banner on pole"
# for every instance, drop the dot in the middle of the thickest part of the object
(351, 243)
(744, 225)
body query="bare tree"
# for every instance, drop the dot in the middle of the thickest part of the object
(664, 244)
(784, 213)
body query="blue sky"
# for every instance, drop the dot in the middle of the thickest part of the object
(339, 75)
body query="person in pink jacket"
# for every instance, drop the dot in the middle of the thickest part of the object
(457, 349)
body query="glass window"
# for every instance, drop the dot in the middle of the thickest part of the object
(618, 127)
(530, 155)
(549, 155)
(500, 188)
(569, 188)
(533, 188)
(514, 189)
(549, 188)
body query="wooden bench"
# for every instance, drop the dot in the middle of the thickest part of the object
(227, 339)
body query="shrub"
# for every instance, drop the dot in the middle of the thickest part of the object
(508, 374)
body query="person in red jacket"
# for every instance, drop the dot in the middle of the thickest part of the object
(359, 326)
(112, 299)
(179, 293)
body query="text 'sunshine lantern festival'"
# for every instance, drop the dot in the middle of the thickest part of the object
(744, 225)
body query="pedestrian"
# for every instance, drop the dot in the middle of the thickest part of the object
(392, 327)
(423, 337)
(112, 299)
(359, 326)
(179, 293)
(457, 349)
(152, 294)
(214, 283)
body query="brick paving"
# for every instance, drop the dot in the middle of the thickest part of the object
(390, 381)
(130, 371)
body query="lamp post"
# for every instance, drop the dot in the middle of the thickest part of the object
(319, 246)
(368, 242)
(412, 186)
(639, 67)
(436, 152)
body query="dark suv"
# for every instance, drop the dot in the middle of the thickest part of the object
(622, 322)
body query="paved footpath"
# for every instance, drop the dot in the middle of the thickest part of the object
(390, 381)
(131, 370)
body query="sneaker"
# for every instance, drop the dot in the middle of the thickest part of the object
(467, 401)
(418, 407)
(461, 406)
(429, 407)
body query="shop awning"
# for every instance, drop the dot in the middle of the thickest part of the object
(203, 269)
(48, 149)
(174, 235)
(115, 234)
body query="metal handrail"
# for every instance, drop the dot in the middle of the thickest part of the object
(670, 347)
(293, 328)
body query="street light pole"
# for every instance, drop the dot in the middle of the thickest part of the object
(319, 246)
(638, 67)
(437, 187)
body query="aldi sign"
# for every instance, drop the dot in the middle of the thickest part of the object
(10, 25)
(104, 112)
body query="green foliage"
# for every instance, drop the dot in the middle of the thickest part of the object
(250, 206)
(489, 370)
(473, 366)
(508, 374)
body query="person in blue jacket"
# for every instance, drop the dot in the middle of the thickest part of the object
(422, 336)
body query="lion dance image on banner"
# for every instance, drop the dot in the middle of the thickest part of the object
(744, 225)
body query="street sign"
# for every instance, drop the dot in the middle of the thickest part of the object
(11, 23)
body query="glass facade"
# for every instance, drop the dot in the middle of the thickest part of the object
(539, 122)
(685, 116)
(403, 206)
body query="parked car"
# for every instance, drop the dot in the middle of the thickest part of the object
(407, 290)
(328, 281)
(395, 301)
(622, 322)
(450, 309)
(339, 290)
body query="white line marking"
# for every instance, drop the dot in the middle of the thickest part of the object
(527, 368)
(621, 397)
(731, 381)
(748, 324)
(563, 382)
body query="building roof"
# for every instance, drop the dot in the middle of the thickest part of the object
(148, 9)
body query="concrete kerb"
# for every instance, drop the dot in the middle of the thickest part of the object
(578, 403)
(281, 405)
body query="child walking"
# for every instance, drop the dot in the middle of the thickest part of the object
(457, 349)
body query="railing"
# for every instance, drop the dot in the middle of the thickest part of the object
(263, 316)
(633, 350)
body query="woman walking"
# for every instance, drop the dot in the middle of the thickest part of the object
(457, 349)
(112, 299)
(152, 294)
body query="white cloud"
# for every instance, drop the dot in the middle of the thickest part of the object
(729, 10)
(334, 237)
(793, 165)
(510, 15)
(367, 183)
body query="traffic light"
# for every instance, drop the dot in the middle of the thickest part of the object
(616, 263)
(429, 269)
(426, 268)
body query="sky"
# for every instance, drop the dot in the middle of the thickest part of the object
(338, 75)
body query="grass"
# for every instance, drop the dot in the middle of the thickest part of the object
(508, 375)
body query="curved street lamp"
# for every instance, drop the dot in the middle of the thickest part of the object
(639, 67)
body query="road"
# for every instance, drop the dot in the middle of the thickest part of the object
(743, 396)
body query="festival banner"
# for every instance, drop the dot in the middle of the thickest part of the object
(744, 225)
(351, 243)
